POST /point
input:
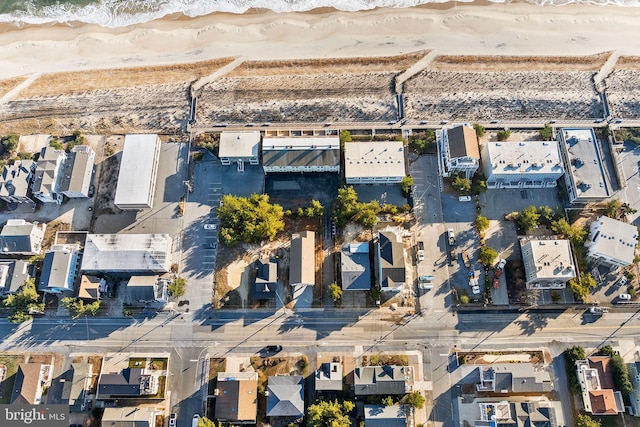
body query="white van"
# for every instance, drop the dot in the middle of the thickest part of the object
(196, 418)
(464, 198)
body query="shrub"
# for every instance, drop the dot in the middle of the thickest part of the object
(546, 133)
(503, 135)
(415, 399)
(479, 130)
(464, 299)
(177, 287)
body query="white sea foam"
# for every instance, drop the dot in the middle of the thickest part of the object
(120, 13)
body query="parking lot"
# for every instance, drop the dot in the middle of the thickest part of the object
(495, 203)
(629, 161)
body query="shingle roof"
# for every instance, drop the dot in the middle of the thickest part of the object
(302, 261)
(125, 383)
(26, 383)
(15, 273)
(355, 267)
(45, 175)
(286, 396)
(383, 380)
(463, 142)
(236, 399)
(16, 178)
(391, 259)
(329, 377)
(266, 278)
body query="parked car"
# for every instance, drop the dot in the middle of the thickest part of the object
(194, 421)
(210, 245)
(464, 198)
(598, 311)
(172, 420)
(420, 251)
(624, 297)
(271, 349)
(622, 282)
(210, 226)
(451, 235)
(502, 264)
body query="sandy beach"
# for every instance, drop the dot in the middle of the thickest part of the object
(513, 29)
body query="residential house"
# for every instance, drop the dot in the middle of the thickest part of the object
(237, 397)
(264, 287)
(374, 162)
(240, 148)
(127, 253)
(19, 237)
(47, 175)
(391, 263)
(612, 242)
(458, 151)
(76, 387)
(302, 260)
(329, 377)
(382, 380)
(301, 154)
(129, 416)
(16, 180)
(487, 412)
(511, 378)
(138, 172)
(59, 269)
(13, 274)
(596, 381)
(355, 267)
(75, 179)
(91, 287)
(386, 416)
(29, 383)
(285, 396)
(526, 164)
(548, 264)
(585, 179)
(130, 382)
(147, 289)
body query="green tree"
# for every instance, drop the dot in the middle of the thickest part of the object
(503, 135)
(315, 208)
(423, 142)
(206, 422)
(612, 207)
(481, 223)
(546, 133)
(487, 256)
(572, 232)
(479, 130)
(461, 184)
(54, 143)
(330, 414)
(249, 219)
(581, 288)
(335, 292)
(345, 136)
(621, 377)
(528, 218)
(9, 142)
(464, 299)
(406, 184)
(368, 214)
(23, 302)
(415, 399)
(346, 205)
(387, 401)
(571, 356)
(547, 215)
(77, 308)
(584, 420)
(177, 287)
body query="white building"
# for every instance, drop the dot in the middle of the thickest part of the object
(15, 181)
(127, 253)
(240, 148)
(527, 164)
(612, 242)
(59, 269)
(301, 154)
(138, 172)
(19, 237)
(585, 178)
(78, 170)
(46, 177)
(548, 263)
(374, 162)
(458, 151)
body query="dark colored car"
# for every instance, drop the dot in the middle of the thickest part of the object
(271, 349)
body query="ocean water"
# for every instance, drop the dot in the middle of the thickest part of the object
(119, 13)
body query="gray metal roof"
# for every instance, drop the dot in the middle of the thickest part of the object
(78, 168)
(13, 274)
(329, 377)
(16, 178)
(138, 168)
(302, 259)
(266, 279)
(585, 164)
(286, 396)
(58, 270)
(355, 269)
(75, 388)
(45, 176)
(382, 380)
(19, 236)
(301, 152)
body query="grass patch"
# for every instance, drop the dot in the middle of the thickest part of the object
(138, 362)
(383, 360)
(628, 135)
(11, 365)
(216, 365)
(158, 364)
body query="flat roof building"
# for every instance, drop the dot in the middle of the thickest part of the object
(375, 162)
(59, 269)
(240, 148)
(585, 178)
(19, 237)
(548, 264)
(129, 416)
(386, 416)
(15, 181)
(138, 172)
(526, 164)
(301, 154)
(127, 253)
(458, 151)
(147, 289)
(355, 268)
(77, 172)
(47, 175)
(612, 242)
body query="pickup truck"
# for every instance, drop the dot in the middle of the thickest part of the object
(466, 259)
(420, 251)
(451, 236)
